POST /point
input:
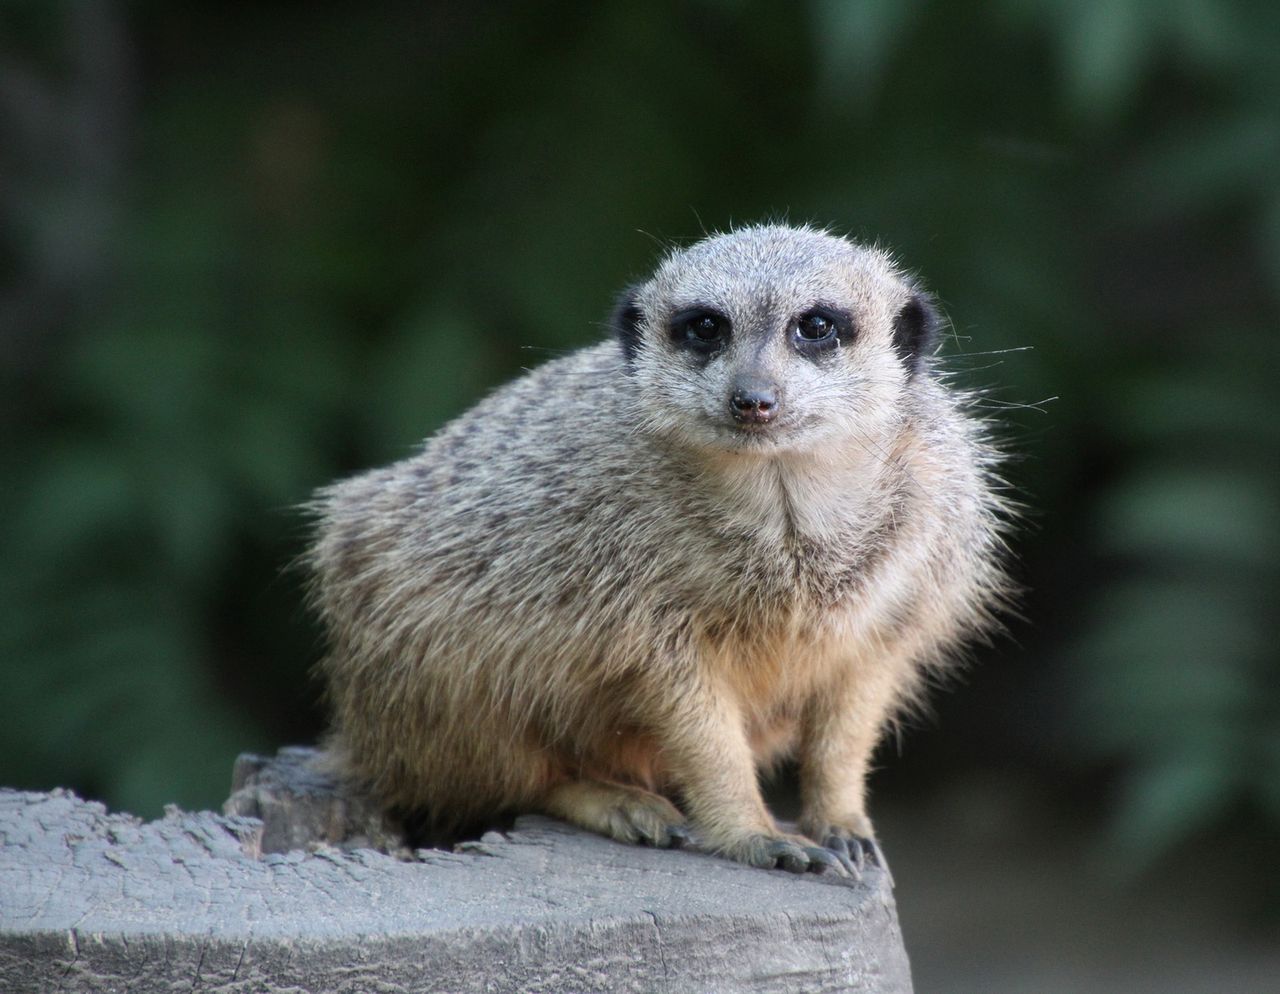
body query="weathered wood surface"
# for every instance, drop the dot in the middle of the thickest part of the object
(92, 901)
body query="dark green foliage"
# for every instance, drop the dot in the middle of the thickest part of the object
(248, 249)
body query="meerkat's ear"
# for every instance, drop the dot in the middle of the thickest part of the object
(625, 322)
(915, 331)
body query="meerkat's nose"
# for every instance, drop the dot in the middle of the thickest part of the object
(754, 402)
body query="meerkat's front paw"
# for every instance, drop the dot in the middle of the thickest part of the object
(786, 852)
(855, 847)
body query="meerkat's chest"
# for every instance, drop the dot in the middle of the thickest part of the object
(793, 619)
(802, 540)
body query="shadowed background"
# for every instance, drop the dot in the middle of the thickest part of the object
(246, 250)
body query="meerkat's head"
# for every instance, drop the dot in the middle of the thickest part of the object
(773, 339)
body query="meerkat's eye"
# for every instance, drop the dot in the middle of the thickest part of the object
(814, 326)
(821, 329)
(701, 329)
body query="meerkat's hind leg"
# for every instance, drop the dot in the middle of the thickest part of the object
(628, 814)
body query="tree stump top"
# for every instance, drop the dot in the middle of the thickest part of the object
(96, 901)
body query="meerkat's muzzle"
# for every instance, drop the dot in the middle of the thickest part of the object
(754, 401)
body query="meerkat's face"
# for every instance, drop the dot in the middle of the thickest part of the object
(773, 339)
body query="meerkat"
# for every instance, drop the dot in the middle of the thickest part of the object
(747, 526)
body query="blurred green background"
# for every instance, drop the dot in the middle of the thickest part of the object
(246, 249)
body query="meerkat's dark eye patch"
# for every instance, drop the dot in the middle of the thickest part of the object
(625, 322)
(701, 330)
(915, 331)
(821, 328)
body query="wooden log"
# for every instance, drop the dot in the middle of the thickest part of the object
(297, 898)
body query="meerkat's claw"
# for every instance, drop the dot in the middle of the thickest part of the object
(854, 849)
(873, 852)
(822, 859)
(861, 850)
(786, 855)
(850, 858)
(794, 854)
(627, 814)
(637, 824)
(667, 836)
